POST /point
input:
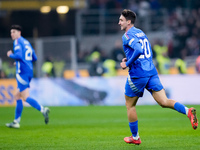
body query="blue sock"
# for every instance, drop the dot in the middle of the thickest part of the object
(180, 108)
(18, 110)
(134, 128)
(33, 103)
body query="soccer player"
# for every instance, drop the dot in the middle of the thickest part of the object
(24, 55)
(143, 74)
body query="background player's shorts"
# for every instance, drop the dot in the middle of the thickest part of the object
(135, 86)
(23, 81)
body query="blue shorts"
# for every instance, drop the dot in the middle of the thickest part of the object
(23, 81)
(135, 86)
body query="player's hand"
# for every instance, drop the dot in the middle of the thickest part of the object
(9, 53)
(124, 60)
(14, 63)
(123, 65)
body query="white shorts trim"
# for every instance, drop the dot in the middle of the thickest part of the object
(22, 81)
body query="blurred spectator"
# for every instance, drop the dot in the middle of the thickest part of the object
(59, 68)
(102, 55)
(9, 69)
(170, 48)
(96, 68)
(162, 59)
(197, 64)
(144, 8)
(117, 52)
(185, 26)
(180, 63)
(109, 66)
(83, 56)
(133, 5)
(190, 25)
(180, 13)
(192, 45)
(179, 39)
(48, 68)
(2, 74)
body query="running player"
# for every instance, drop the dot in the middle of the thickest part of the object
(24, 55)
(143, 74)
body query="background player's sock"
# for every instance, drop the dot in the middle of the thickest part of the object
(181, 108)
(134, 129)
(18, 110)
(34, 103)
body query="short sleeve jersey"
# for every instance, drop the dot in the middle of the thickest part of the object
(143, 66)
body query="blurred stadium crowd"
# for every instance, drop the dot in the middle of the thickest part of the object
(175, 51)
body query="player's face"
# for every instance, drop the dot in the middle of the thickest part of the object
(123, 22)
(15, 34)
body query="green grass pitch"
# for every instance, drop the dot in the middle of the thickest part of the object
(98, 128)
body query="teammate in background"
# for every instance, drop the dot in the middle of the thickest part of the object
(24, 55)
(143, 74)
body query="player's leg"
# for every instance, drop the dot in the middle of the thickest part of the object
(133, 120)
(18, 111)
(19, 107)
(154, 85)
(26, 97)
(134, 89)
(44, 110)
(24, 81)
(130, 106)
(163, 101)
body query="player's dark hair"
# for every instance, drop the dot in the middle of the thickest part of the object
(129, 15)
(16, 27)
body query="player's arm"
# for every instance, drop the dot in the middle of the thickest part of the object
(17, 53)
(123, 63)
(137, 52)
(34, 56)
(134, 43)
(124, 60)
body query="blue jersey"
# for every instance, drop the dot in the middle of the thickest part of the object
(143, 66)
(24, 55)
